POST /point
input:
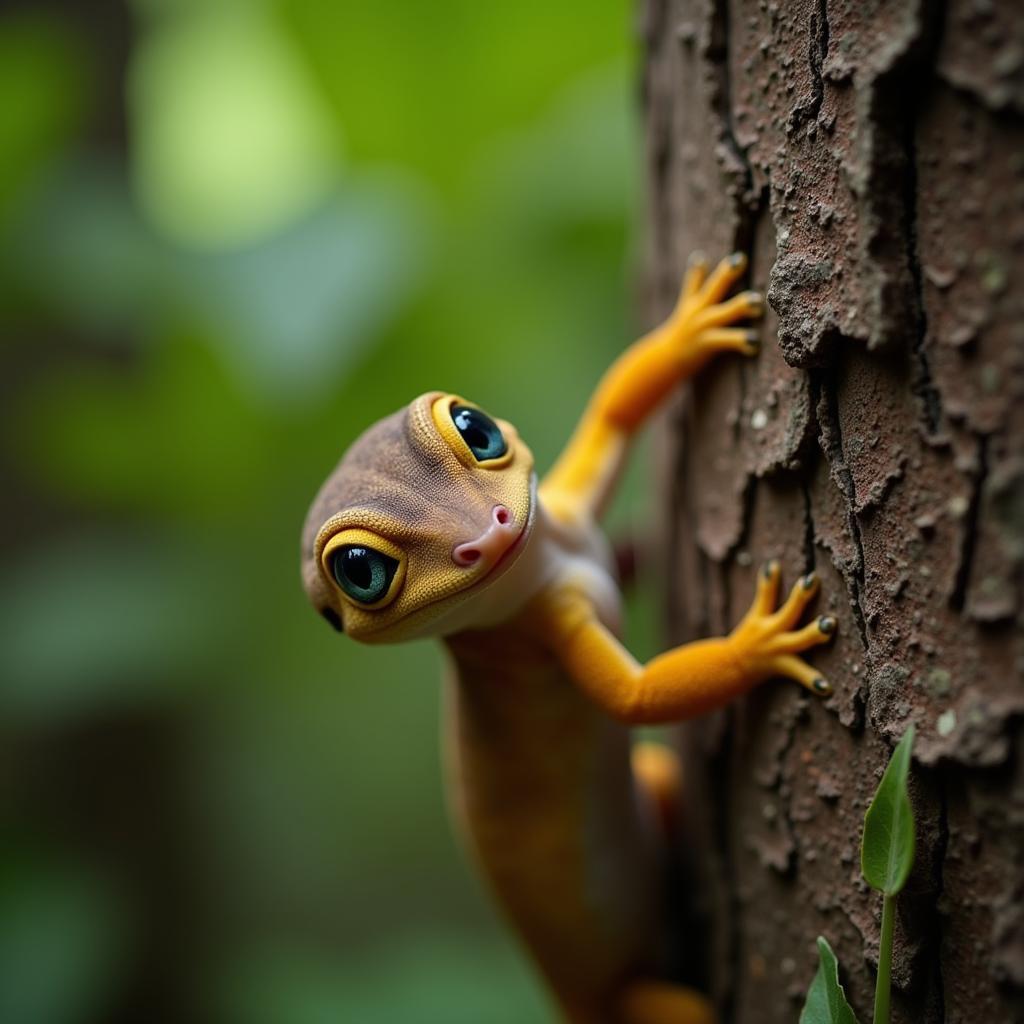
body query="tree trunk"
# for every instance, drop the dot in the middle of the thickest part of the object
(870, 158)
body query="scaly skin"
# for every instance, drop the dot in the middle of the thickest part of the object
(432, 525)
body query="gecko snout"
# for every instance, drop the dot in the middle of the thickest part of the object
(499, 536)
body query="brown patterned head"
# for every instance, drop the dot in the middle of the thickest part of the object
(426, 507)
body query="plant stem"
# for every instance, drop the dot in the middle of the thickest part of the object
(882, 983)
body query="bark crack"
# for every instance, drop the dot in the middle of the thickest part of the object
(924, 386)
(817, 51)
(969, 536)
(717, 52)
(809, 558)
(831, 440)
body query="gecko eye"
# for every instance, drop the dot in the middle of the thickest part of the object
(480, 433)
(363, 573)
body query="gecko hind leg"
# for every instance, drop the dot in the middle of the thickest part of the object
(658, 1002)
(659, 774)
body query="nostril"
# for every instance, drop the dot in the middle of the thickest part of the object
(467, 556)
(491, 544)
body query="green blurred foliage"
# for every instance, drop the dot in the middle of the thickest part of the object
(241, 140)
(433, 85)
(319, 210)
(43, 76)
(59, 940)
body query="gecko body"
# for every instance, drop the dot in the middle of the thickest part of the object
(434, 524)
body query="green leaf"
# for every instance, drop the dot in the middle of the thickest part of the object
(826, 1000)
(887, 852)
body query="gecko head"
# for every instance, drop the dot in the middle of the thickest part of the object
(427, 508)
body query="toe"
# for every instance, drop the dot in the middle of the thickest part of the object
(740, 307)
(696, 273)
(735, 339)
(722, 278)
(799, 597)
(767, 587)
(818, 632)
(798, 670)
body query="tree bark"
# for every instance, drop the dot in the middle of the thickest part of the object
(869, 156)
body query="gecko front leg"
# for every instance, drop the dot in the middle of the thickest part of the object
(700, 326)
(697, 677)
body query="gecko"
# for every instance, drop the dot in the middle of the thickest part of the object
(434, 524)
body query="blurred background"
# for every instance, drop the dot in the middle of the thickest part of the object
(232, 235)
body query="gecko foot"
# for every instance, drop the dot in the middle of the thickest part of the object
(704, 316)
(768, 640)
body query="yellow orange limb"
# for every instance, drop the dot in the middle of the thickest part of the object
(692, 679)
(642, 377)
